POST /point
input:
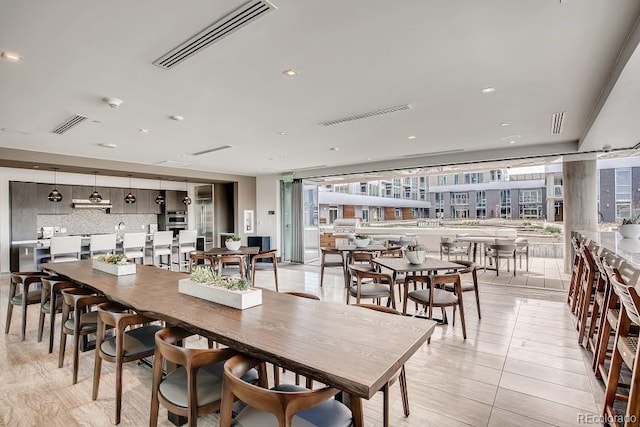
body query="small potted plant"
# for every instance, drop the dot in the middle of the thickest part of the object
(362, 240)
(233, 243)
(415, 253)
(116, 264)
(230, 291)
(630, 227)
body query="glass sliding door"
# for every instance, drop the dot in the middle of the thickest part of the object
(311, 231)
(286, 197)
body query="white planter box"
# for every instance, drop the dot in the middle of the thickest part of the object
(235, 299)
(116, 270)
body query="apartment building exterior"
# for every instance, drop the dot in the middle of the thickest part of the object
(522, 193)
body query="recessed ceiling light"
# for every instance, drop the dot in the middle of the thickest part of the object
(335, 148)
(511, 137)
(144, 130)
(36, 167)
(504, 124)
(282, 133)
(488, 90)
(369, 158)
(105, 145)
(412, 137)
(512, 142)
(290, 72)
(11, 57)
(177, 118)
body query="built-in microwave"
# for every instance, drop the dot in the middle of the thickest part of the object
(177, 217)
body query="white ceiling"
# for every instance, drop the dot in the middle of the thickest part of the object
(542, 56)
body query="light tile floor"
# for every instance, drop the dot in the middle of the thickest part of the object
(520, 365)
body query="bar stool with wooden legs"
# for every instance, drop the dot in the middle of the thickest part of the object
(576, 274)
(51, 303)
(625, 352)
(129, 344)
(585, 291)
(597, 307)
(78, 301)
(399, 375)
(29, 294)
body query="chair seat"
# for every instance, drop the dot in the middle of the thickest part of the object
(263, 266)
(162, 251)
(628, 347)
(46, 307)
(370, 290)
(229, 271)
(330, 413)
(88, 323)
(186, 249)
(599, 298)
(208, 389)
(135, 341)
(333, 264)
(33, 297)
(441, 297)
(467, 286)
(612, 317)
(134, 254)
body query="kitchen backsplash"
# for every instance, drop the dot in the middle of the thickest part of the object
(96, 221)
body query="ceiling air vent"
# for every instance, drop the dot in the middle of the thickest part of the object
(366, 115)
(557, 123)
(435, 153)
(211, 150)
(224, 27)
(72, 122)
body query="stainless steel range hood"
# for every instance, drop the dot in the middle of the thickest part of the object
(87, 204)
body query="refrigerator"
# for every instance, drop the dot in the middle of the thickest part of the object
(204, 214)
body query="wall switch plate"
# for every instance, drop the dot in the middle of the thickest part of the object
(63, 230)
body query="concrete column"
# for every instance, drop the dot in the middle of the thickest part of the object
(580, 207)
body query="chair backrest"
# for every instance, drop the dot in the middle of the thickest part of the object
(629, 272)
(162, 238)
(232, 259)
(186, 237)
(283, 405)
(134, 240)
(102, 243)
(65, 245)
(167, 346)
(629, 298)
(610, 257)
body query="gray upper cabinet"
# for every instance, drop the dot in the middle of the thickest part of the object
(84, 191)
(142, 201)
(174, 201)
(47, 207)
(154, 208)
(24, 210)
(117, 200)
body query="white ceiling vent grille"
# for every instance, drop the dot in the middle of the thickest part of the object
(70, 123)
(224, 27)
(557, 123)
(367, 115)
(211, 150)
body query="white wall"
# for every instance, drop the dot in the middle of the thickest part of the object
(34, 175)
(268, 199)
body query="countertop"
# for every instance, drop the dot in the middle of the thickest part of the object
(628, 249)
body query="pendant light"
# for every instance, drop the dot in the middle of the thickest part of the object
(95, 197)
(55, 195)
(186, 199)
(130, 198)
(160, 197)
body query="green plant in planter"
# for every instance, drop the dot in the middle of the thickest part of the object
(206, 276)
(234, 238)
(632, 220)
(361, 236)
(117, 259)
(415, 247)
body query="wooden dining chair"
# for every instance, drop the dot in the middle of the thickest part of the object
(434, 296)
(284, 405)
(201, 258)
(79, 302)
(399, 375)
(232, 265)
(332, 254)
(262, 261)
(23, 292)
(502, 249)
(195, 387)
(127, 345)
(467, 286)
(584, 292)
(51, 302)
(381, 285)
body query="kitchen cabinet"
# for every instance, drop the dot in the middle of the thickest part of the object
(174, 201)
(47, 207)
(117, 200)
(154, 208)
(142, 201)
(83, 192)
(24, 210)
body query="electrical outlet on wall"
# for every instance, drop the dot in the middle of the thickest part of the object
(142, 226)
(63, 230)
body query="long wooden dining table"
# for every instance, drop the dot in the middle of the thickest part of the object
(346, 347)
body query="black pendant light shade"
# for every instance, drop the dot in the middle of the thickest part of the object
(186, 200)
(160, 197)
(55, 195)
(95, 197)
(130, 198)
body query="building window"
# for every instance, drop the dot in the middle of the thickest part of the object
(460, 199)
(456, 179)
(495, 175)
(439, 200)
(481, 213)
(481, 199)
(365, 213)
(398, 213)
(623, 193)
(531, 196)
(441, 180)
(505, 203)
(473, 178)
(333, 214)
(363, 188)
